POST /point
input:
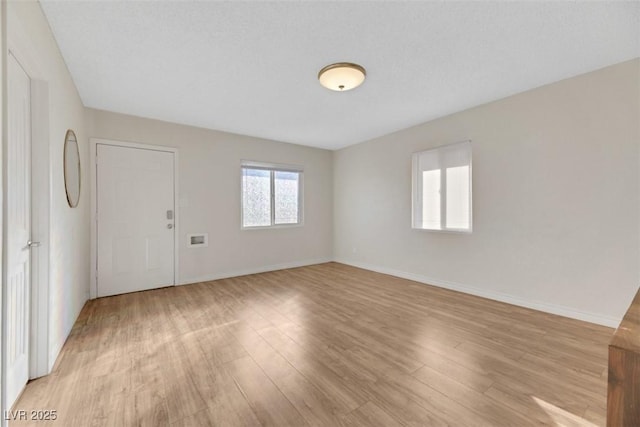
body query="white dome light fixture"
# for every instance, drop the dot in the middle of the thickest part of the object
(342, 76)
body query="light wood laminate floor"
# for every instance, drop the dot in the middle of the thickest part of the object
(324, 345)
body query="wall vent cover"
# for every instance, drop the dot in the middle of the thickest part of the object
(198, 240)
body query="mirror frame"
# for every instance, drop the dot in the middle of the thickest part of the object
(67, 139)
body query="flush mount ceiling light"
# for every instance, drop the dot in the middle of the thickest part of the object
(342, 76)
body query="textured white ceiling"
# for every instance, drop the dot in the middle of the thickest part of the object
(251, 67)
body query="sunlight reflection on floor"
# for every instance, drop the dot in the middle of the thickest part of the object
(560, 416)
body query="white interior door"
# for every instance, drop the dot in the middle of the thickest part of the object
(18, 201)
(135, 219)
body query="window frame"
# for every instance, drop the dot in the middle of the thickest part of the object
(272, 168)
(416, 190)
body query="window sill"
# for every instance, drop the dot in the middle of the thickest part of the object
(448, 231)
(268, 227)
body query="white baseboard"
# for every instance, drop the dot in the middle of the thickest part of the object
(254, 270)
(497, 296)
(54, 354)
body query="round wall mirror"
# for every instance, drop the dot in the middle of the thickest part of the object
(71, 168)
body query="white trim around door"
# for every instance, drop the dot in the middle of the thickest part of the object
(93, 144)
(40, 363)
(20, 45)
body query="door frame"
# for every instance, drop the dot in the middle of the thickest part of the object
(93, 150)
(19, 45)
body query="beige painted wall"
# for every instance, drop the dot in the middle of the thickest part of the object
(3, 111)
(30, 38)
(555, 199)
(209, 185)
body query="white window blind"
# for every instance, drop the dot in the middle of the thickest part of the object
(441, 195)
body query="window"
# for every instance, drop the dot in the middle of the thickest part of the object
(271, 195)
(442, 188)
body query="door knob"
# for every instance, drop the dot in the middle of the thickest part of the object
(31, 244)
(169, 226)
